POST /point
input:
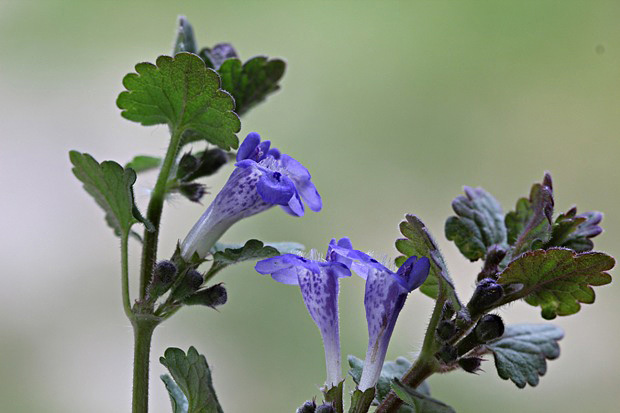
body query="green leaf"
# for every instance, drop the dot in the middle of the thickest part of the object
(143, 163)
(112, 188)
(391, 370)
(193, 376)
(184, 94)
(420, 401)
(557, 279)
(185, 41)
(479, 223)
(521, 353)
(361, 401)
(251, 82)
(177, 398)
(575, 231)
(418, 241)
(253, 250)
(529, 226)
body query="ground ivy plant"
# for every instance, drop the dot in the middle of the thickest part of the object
(526, 254)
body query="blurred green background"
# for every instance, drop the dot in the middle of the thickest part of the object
(393, 106)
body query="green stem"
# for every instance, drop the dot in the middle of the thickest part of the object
(153, 213)
(125, 276)
(143, 328)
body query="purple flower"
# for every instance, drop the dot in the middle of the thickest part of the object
(318, 281)
(384, 297)
(263, 177)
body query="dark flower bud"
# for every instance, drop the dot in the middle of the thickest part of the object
(164, 274)
(448, 310)
(307, 407)
(446, 330)
(213, 296)
(325, 408)
(187, 165)
(494, 257)
(210, 162)
(191, 282)
(470, 364)
(488, 292)
(193, 191)
(463, 319)
(489, 328)
(447, 354)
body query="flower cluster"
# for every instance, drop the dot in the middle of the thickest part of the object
(384, 297)
(263, 177)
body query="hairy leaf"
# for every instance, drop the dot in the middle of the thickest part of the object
(521, 354)
(418, 241)
(251, 82)
(185, 41)
(112, 188)
(177, 398)
(180, 91)
(557, 279)
(143, 163)
(193, 376)
(575, 231)
(529, 226)
(479, 223)
(420, 401)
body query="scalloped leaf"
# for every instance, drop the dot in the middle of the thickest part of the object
(478, 224)
(251, 82)
(418, 241)
(521, 354)
(575, 231)
(529, 226)
(192, 375)
(182, 92)
(112, 188)
(557, 279)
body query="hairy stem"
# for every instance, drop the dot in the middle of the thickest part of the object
(143, 332)
(125, 276)
(153, 212)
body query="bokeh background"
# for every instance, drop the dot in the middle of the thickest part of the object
(393, 106)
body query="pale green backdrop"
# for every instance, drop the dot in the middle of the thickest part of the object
(392, 105)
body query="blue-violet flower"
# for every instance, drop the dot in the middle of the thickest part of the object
(318, 281)
(384, 297)
(263, 177)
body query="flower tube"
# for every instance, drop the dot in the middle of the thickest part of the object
(318, 282)
(263, 177)
(384, 297)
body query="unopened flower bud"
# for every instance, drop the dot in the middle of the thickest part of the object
(193, 191)
(210, 162)
(325, 408)
(463, 319)
(489, 328)
(487, 293)
(307, 407)
(446, 330)
(470, 364)
(213, 296)
(191, 282)
(448, 310)
(447, 353)
(163, 277)
(187, 165)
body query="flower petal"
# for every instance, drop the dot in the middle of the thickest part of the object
(294, 207)
(271, 265)
(413, 272)
(275, 188)
(248, 146)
